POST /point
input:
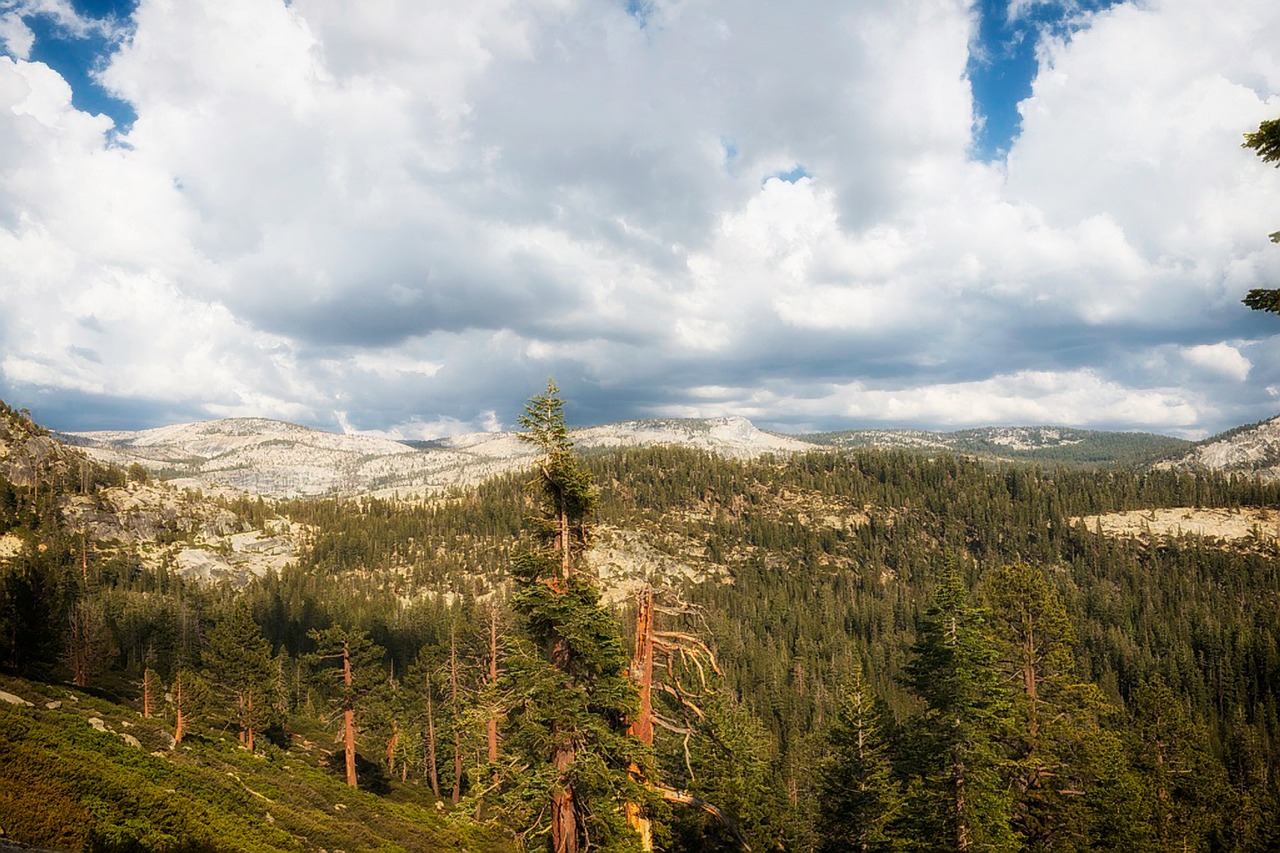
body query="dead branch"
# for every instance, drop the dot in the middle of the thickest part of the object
(684, 798)
(682, 638)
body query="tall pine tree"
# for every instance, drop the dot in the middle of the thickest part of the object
(858, 800)
(568, 669)
(959, 801)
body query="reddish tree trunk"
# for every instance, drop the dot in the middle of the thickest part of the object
(180, 723)
(641, 727)
(493, 684)
(457, 729)
(432, 772)
(349, 718)
(248, 721)
(564, 816)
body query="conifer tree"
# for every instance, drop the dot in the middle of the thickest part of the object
(568, 671)
(858, 800)
(1187, 783)
(961, 801)
(354, 665)
(1265, 142)
(238, 659)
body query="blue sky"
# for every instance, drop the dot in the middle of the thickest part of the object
(1003, 63)
(76, 54)
(402, 218)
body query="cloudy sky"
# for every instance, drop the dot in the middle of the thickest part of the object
(405, 216)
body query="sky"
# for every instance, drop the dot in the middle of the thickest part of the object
(403, 217)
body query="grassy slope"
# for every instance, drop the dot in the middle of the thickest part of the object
(67, 786)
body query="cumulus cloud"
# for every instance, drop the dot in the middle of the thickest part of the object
(403, 218)
(1219, 359)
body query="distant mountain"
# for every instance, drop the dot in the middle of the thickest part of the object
(1250, 449)
(1048, 444)
(111, 513)
(281, 459)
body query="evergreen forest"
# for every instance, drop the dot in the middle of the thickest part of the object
(652, 649)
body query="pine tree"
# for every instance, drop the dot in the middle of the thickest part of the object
(238, 659)
(353, 664)
(1065, 767)
(568, 670)
(858, 800)
(960, 800)
(1187, 783)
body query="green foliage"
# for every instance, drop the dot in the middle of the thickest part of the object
(960, 800)
(1265, 142)
(568, 674)
(859, 801)
(1263, 299)
(350, 669)
(1188, 787)
(238, 660)
(66, 786)
(808, 569)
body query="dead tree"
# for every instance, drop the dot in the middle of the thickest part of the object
(676, 656)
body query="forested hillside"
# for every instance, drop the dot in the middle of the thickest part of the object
(853, 650)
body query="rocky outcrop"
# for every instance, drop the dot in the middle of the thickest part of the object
(1252, 450)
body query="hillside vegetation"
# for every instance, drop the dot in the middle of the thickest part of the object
(831, 615)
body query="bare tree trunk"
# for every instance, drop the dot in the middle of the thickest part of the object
(180, 723)
(392, 742)
(493, 684)
(432, 771)
(641, 727)
(349, 718)
(248, 720)
(76, 641)
(457, 728)
(146, 693)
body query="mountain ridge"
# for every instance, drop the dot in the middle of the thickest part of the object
(281, 459)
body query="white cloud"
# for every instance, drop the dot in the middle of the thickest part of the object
(413, 213)
(1219, 359)
(16, 36)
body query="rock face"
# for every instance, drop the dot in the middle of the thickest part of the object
(29, 455)
(734, 437)
(1250, 450)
